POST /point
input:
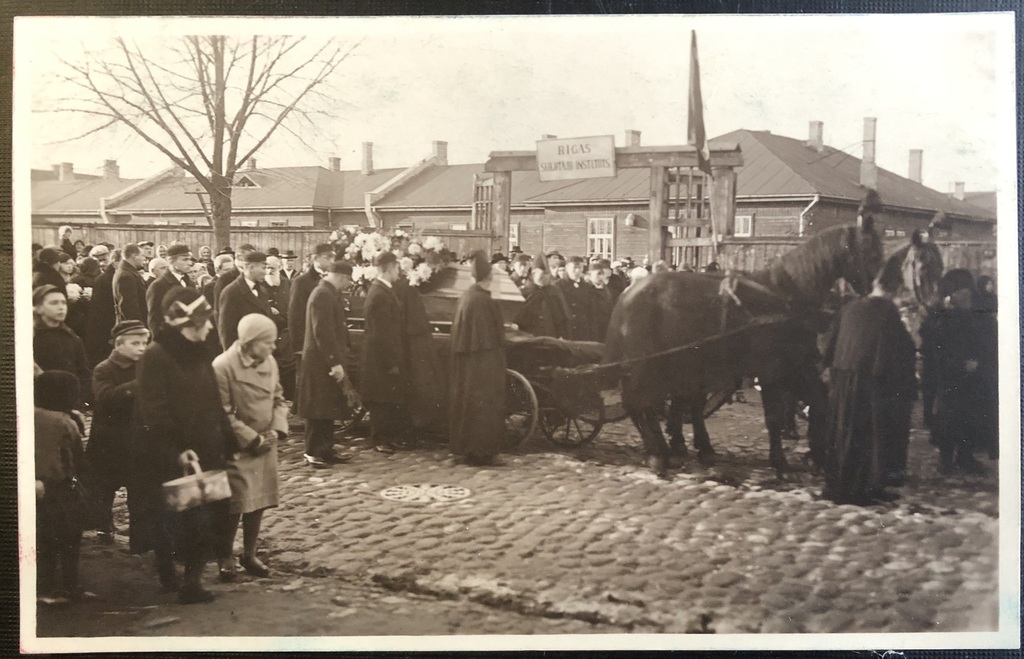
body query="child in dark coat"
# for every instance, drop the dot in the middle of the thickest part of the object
(113, 387)
(59, 497)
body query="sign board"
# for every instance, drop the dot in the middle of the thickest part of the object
(576, 158)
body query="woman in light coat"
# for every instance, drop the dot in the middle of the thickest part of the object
(252, 397)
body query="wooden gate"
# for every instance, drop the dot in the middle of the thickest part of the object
(687, 218)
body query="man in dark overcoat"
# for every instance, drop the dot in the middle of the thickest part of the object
(577, 296)
(382, 377)
(302, 288)
(101, 317)
(323, 377)
(279, 293)
(129, 287)
(245, 295)
(545, 312)
(179, 258)
(601, 301)
(231, 275)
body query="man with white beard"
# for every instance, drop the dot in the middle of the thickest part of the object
(279, 291)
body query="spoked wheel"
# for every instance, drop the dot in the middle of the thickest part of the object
(520, 409)
(571, 431)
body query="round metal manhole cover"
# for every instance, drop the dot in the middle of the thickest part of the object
(424, 493)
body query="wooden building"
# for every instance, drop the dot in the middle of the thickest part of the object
(783, 188)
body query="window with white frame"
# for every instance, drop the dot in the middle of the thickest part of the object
(744, 226)
(600, 236)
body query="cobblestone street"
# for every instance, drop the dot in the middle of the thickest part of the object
(590, 541)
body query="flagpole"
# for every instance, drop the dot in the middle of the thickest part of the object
(695, 132)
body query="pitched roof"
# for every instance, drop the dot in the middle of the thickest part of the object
(53, 196)
(775, 165)
(276, 187)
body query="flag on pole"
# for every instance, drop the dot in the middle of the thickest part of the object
(695, 133)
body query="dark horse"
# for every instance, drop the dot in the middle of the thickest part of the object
(771, 336)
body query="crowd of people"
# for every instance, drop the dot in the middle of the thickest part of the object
(184, 359)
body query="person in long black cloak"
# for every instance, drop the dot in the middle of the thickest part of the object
(965, 348)
(872, 390)
(477, 388)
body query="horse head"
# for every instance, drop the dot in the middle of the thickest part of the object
(864, 254)
(922, 269)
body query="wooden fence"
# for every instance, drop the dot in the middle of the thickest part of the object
(301, 240)
(750, 255)
(746, 255)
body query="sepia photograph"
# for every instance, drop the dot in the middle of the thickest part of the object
(500, 333)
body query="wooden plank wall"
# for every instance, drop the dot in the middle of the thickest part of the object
(751, 255)
(300, 240)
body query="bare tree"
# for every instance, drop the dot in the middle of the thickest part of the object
(209, 103)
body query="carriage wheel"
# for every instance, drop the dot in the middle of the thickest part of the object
(571, 431)
(520, 409)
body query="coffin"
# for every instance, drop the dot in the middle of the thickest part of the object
(441, 296)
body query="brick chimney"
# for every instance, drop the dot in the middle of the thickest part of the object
(110, 169)
(632, 137)
(959, 190)
(367, 158)
(56, 170)
(66, 172)
(251, 164)
(440, 152)
(334, 164)
(916, 157)
(868, 168)
(816, 136)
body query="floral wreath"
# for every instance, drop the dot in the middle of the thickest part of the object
(419, 257)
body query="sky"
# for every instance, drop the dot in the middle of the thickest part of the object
(939, 83)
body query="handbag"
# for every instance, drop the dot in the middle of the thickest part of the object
(196, 489)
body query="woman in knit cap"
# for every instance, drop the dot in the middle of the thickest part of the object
(253, 399)
(477, 389)
(178, 417)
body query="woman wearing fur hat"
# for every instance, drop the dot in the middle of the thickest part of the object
(253, 399)
(178, 416)
(873, 386)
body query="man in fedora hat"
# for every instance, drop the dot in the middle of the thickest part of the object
(288, 260)
(245, 295)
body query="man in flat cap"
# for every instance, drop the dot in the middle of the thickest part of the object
(324, 390)
(180, 260)
(129, 287)
(245, 295)
(302, 288)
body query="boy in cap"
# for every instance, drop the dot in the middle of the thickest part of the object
(113, 388)
(55, 346)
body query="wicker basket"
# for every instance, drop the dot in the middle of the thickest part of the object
(194, 490)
